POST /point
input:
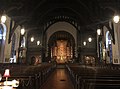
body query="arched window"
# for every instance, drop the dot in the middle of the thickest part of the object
(109, 45)
(23, 42)
(1, 35)
(13, 52)
(2, 41)
(1, 38)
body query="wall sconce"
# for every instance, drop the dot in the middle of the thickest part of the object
(3, 18)
(98, 31)
(38, 42)
(116, 18)
(22, 31)
(84, 43)
(89, 39)
(32, 39)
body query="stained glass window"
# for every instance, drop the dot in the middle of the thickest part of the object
(1, 34)
(13, 52)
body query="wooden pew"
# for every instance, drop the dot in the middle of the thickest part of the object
(85, 77)
(99, 83)
(30, 77)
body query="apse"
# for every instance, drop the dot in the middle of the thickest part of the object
(61, 47)
(62, 52)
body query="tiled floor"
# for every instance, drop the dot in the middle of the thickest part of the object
(58, 80)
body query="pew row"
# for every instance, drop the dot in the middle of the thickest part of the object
(29, 76)
(87, 77)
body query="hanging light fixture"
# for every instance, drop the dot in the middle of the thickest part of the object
(32, 39)
(22, 31)
(116, 18)
(3, 18)
(98, 31)
(89, 39)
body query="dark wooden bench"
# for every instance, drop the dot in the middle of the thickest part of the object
(30, 77)
(85, 77)
(99, 83)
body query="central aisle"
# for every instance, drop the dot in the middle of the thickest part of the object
(58, 80)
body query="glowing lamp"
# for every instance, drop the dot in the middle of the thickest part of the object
(32, 39)
(89, 39)
(22, 31)
(38, 42)
(116, 18)
(7, 73)
(84, 43)
(3, 19)
(98, 31)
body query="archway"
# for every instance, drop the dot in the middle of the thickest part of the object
(61, 47)
(60, 26)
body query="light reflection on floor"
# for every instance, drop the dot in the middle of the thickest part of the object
(58, 80)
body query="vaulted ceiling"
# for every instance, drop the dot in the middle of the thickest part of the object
(34, 13)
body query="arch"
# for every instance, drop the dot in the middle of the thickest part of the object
(61, 20)
(62, 26)
(62, 35)
(61, 47)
